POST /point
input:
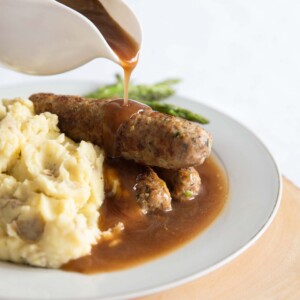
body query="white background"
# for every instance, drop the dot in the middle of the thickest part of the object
(242, 57)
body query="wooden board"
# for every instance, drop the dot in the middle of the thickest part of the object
(269, 270)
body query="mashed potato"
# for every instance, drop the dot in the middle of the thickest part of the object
(50, 189)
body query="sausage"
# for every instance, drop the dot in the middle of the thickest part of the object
(151, 192)
(184, 184)
(134, 132)
(156, 188)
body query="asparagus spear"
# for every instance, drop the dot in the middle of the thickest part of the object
(176, 111)
(150, 95)
(145, 92)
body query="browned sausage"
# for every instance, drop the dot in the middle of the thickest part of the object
(151, 192)
(184, 184)
(134, 132)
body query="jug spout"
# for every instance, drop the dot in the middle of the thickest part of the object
(46, 37)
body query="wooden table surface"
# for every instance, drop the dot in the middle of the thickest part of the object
(269, 270)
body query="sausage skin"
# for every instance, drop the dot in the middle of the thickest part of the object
(143, 135)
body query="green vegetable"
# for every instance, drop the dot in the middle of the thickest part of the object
(176, 111)
(156, 92)
(188, 194)
(150, 95)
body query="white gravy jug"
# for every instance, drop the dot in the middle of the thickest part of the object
(44, 37)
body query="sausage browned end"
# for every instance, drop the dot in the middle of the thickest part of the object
(156, 139)
(146, 136)
(79, 119)
(152, 193)
(184, 184)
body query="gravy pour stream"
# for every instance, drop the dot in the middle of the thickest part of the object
(125, 47)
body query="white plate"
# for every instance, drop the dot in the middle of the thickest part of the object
(255, 191)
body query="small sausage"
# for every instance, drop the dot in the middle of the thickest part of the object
(184, 184)
(134, 132)
(152, 193)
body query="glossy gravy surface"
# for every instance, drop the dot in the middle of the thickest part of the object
(124, 46)
(150, 236)
(115, 113)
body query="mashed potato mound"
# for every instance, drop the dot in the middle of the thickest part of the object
(51, 189)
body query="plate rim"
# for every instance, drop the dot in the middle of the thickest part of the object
(234, 254)
(195, 275)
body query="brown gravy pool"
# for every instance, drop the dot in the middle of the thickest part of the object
(148, 237)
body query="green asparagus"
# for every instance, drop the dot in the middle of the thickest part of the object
(176, 111)
(156, 92)
(150, 95)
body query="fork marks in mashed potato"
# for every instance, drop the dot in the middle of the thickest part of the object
(50, 192)
(31, 228)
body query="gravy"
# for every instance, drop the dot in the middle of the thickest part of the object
(153, 235)
(124, 46)
(114, 114)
